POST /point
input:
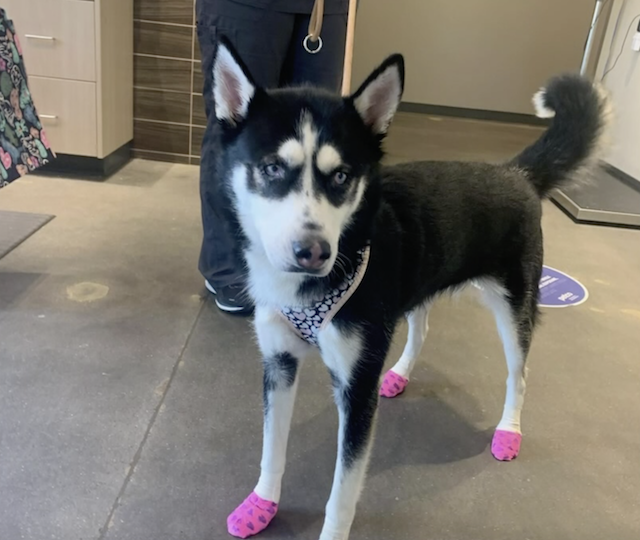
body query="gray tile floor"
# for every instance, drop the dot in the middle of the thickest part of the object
(130, 407)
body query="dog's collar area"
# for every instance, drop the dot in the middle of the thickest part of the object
(308, 321)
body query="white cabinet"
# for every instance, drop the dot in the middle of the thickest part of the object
(79, 60)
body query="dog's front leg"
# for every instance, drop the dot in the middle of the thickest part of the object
(355, 358)
(282, 352)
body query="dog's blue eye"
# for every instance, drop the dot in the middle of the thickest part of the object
(340, 177)
(274, 170)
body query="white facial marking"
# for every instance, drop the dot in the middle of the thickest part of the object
(309, 138)
(328, 159)
(232, 90)
(359, 195)
(309, 135)
(292, 152)
(273, 225)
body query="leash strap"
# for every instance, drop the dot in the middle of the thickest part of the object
(313, 36)
(348, 48)
(315, 27)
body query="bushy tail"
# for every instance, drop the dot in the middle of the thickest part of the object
(581, 113)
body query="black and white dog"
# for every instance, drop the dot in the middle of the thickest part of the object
(339, 248)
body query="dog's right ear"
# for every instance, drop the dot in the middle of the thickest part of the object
(233, 87)
(379, 96)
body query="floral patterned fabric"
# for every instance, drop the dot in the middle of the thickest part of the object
(23, 144)
(308, 321)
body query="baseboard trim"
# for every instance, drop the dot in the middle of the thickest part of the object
(89, 168)
(473, 114)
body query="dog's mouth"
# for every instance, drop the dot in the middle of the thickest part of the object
(319, 272)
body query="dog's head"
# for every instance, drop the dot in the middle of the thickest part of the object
(299, 161)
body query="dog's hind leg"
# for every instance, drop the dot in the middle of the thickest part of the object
(355, 359)
(397, 378)
(515, 315)
(282, 352)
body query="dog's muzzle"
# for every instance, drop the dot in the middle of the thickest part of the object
(311, 254)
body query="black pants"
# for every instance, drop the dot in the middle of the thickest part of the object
(270, 43)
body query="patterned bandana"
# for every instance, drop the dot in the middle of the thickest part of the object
(307, 322)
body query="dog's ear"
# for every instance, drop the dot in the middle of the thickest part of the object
(379, 96)
(233, 87)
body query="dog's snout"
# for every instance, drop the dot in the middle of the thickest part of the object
(312, 253)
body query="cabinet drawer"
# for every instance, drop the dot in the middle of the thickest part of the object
(68, 113)
(57, 37)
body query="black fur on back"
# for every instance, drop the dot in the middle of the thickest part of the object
(439, 225)
(432, 226)
(435, 226)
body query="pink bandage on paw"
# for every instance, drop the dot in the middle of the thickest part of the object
(393, 384)
(251, 517)
(505, 445)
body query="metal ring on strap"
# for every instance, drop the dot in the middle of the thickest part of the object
(315, 27)
(305, 44)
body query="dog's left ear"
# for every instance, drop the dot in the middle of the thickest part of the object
(379, 96)
(233, 87)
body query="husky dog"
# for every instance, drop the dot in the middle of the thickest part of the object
(339, 248)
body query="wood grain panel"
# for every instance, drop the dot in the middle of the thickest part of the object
(163, 40)
(199, 117)
(163, 106)
(162, 73)
(198, 79)
(196, 140)
(170, 11)
(160, 137)
(160, 156)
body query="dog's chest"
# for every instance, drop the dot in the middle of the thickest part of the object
(271, 288)
(309, 319)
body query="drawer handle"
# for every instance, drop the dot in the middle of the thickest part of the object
(49, 116)
(43, 38)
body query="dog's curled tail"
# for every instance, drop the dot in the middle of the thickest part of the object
(581, 114)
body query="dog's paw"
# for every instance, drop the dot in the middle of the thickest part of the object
(251, 517)
(392, 384)
(505, 445)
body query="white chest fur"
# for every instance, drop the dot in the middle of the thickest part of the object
(268, 286)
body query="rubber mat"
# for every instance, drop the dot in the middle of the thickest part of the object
(16, 227)
(606, 199)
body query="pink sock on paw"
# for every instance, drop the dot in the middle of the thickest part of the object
(393, 384)
(505, 445)
(251, 517)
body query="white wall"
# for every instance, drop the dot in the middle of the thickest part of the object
(624, 84)
(479, 54)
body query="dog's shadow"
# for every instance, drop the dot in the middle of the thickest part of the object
(422, 428)
(418, 429)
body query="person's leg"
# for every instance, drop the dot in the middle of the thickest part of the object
(264, 53)
(323, 68)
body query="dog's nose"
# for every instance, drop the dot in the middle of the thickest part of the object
(312, 253)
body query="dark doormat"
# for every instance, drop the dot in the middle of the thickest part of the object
(16, 227)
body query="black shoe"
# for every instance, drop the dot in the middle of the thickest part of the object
(231, 299)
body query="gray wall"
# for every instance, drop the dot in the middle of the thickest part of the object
(479, 54)
(623, 82)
